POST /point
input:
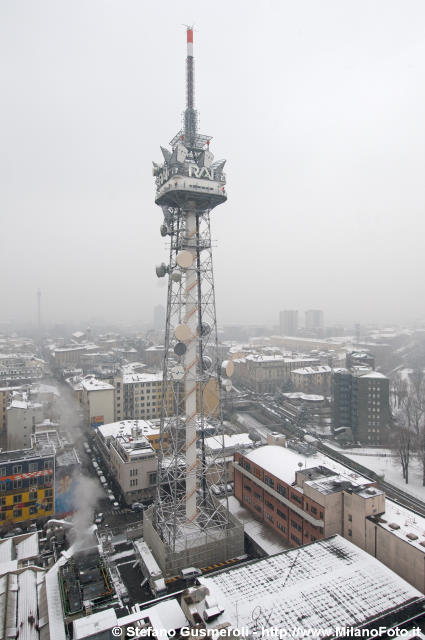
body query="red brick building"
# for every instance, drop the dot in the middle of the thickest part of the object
(300, 504)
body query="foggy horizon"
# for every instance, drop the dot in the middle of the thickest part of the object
(318, 109)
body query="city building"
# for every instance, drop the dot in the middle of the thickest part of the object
(360, 358)
(97, 399)
(314, 320)
(138, 395)
(20, 368)
(288, 322)
(5, 396)
(327, 589)
(265, 373)
(131, 458)
(159, 317)
(27, 480)
(302, 504)
(313, 379)
(22, 416)
(148, 428)
(360, 402)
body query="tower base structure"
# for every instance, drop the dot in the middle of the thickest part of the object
(193, 549)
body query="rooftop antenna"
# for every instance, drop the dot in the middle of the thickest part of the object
(190, 115)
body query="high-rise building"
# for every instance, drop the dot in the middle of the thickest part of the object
(314, 319)
(188, 526)
(288, 322)
(159, 318)
(360, 401)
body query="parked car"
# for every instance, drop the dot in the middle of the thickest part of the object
(137, 506)
(99, 518)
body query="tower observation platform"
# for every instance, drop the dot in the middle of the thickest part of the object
(188, 525)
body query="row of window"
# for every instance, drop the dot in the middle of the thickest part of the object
(17, 484)
(32, 466)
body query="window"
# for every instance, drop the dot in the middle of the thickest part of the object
(350, 532)
(47, 464)
(152, 477)
(48, 493)
(33, 466)
(313, 510)
(49, 506)
(2, 501)
(321, 515)
(350, 518)
(269, 482)
(33, 482)
(269, 505)
(33, 495)
(297, 498)
(17, 468)
(3, 471)
(33, 510)
(257, 507)
(257, 495)
(247, 488)
(17, 513)
(281, 514)
(17, 499)
(17, 484)
(246, 466)
(296, 526)
(133, 483)
(2, 516)
(247, 499)
(295, 539)
(269, 517)
(281, 490)
(2, 486)
(281, 527)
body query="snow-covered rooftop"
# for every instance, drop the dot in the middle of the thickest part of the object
(128, 427)
(322, 585)
(282, 462)
(308, 371)
(263, 535)
(93, 384)
(375, 374)
(236, 441)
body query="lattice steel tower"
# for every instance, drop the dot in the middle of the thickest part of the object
(187, 514)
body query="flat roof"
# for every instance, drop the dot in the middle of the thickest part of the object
(329, 583)
(126, 427)
(283, 462)
(93, 384)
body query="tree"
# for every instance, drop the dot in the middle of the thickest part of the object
(404, 444)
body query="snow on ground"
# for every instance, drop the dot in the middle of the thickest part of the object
(385, 463)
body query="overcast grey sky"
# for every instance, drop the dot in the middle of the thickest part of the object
(318, 106)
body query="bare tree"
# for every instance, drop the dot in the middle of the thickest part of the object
(399, 387)
(404, 445)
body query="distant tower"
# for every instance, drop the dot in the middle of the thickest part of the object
(39, 310)
(159, 318)
(288, 322)
(188, 523)
(314, 319)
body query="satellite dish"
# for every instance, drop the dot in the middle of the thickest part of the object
(177, 372)
(228, 368)
(204, 329)
(206, 363)
(176, 276)
(163, 230)
(185, 259)
(180, 349)
(227, 384)
(183, 333)
(161, 270)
